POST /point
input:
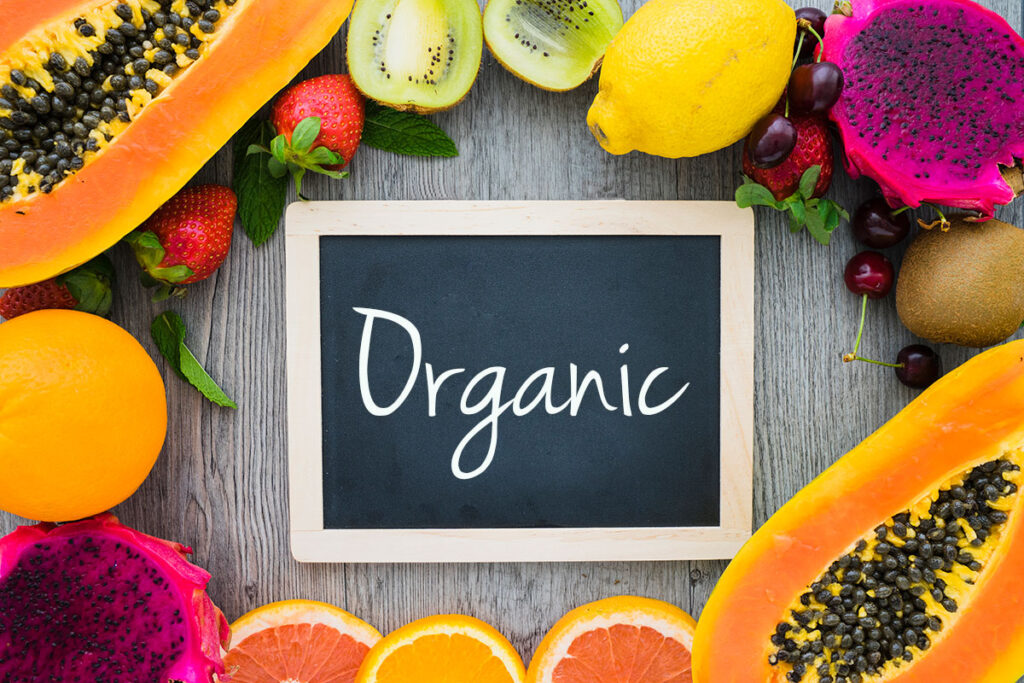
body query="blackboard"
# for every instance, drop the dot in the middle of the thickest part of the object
(524, 378)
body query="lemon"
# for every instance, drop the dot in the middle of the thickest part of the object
(687, 77)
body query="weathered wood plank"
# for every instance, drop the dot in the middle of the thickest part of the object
(221, 482)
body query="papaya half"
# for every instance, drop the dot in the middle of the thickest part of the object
(108, 107)
(903, 562)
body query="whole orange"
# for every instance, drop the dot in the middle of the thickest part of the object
(83, 415)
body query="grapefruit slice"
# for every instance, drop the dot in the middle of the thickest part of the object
(449, 648)
(298, 641)
(617, 640)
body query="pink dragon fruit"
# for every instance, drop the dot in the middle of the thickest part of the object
(96, 601)
(933, 102)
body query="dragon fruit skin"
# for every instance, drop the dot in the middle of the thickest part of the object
(97, 601)
(933, 102)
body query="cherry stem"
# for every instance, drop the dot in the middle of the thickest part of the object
(897, 212)
(821, 43)
(852, 356)
(873, 362)
(860, 331)
(800, 42)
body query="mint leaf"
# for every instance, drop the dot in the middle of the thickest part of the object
(808, 180)
(404, 132)
(261, 190)
(816, 226)
(305, 134)
(168, 331)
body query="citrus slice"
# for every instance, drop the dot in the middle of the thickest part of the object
(617, 640)
(449, 648)
(298, 641)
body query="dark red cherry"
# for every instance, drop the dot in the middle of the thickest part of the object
(816, 18)
(921, 366)
(814, 88)
(869, 273)
(771, 141)
(874, 224)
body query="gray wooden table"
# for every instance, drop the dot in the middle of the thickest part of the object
(221, 482)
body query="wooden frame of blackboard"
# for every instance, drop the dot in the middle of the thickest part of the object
(307, 222)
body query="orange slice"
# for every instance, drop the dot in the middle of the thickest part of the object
(618, 640)
(298, 641)
(450, 648)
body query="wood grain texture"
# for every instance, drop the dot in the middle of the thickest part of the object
(221, 483)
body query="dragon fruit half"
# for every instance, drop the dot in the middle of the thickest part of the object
(97, 602)
(933, 102)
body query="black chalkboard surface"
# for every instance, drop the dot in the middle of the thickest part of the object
(522, 304)
(488, 382)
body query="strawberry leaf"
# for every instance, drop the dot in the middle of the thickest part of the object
(147, 248)
(305, 134)
(276, 168)
(168, 331)
(278, 146)
(321, 156)
(92, 285)
(259, 182)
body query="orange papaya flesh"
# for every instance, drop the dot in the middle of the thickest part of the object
(91, 145)
(903, 562)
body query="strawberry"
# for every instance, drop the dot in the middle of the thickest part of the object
(89, 288)
(187, 239)
(797, 184)
(813, 148)
(319, 123)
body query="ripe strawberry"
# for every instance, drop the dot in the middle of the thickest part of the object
(798, 183)
(187, 239)
(813, 148)
(319, 124)
(89, 288)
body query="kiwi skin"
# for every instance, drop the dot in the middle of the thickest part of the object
(964, 286)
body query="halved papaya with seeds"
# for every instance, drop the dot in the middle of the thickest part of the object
(108, 107)
(903, 562)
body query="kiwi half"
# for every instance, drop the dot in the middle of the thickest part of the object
(553, 44)
(420, 55)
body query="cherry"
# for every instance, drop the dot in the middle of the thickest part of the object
(918, 366)
(771, 141)
(814, 88)
(869, 273)
(875, 224)
(816, 18)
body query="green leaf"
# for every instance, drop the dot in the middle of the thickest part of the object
(168, 331)
(279, 147)
(257, 149)
(306, 133)
(808, 180)
(322, 156)
(147, 248)
(92, 284)
(798, 212)
(816, 226)
(754, 194)
(259, 183)
(276, 168)
(404, 132)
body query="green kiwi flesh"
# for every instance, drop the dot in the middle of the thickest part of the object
(553, 44)
(420, 55)
(964, 286)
